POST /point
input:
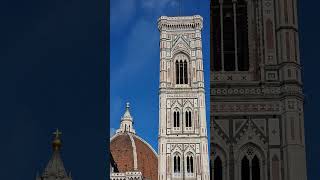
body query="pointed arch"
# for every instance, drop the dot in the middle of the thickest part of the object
(176, 118)
(255, 156)
(188, 118)
(250, 150)
(181, 61)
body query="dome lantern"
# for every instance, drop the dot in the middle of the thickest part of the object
(126, 125)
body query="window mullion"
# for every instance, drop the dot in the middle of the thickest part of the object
(250, 168)
(183, 72)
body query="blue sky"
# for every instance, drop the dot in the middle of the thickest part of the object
(134, 60)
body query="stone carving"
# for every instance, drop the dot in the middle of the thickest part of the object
(257, 112)
(246, 107)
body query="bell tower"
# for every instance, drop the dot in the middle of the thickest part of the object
(183, 144)
(257, 121)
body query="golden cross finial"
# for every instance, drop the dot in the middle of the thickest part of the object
(56, 143)
(57, 133)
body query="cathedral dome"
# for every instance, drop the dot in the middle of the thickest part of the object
(132, 153)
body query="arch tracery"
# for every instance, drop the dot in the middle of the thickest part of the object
(251, 159)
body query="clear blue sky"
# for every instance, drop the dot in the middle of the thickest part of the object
(134, 66)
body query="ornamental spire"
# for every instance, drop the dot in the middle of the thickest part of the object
(127, 115)
(55, 168)
(126, 121)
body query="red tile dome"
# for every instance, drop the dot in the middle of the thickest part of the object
(132, 153)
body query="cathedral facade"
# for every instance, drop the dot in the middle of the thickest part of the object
(257, 117)
(182, 142)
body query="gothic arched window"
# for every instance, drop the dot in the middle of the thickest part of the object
(190, 164)
(188, 119)
(181, 69)
(176, 122)
(245, 169)
(217, 167)
(230, 36)
(250, 168)
(176, 164)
